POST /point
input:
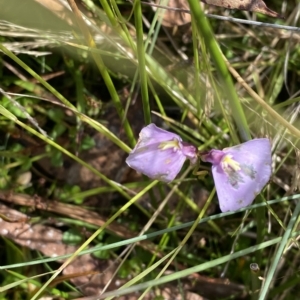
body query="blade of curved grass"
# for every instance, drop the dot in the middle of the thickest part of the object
(152, 45)
(276, 84)
(184, 128)
(227, 83)
(76, 74)
(36, 76)
(21, 160)
(24, 112)
(157, 99)
(18, 282)
(152, 234)
(190, 203)
(117, 21)
(286, 103)
(141, 60)
(93, 236)
(157, 18)
(119, 24)
(146, 227)
(65, 102)
(179, 95)
(230, 19)
(261, 102)
(236, 234)
(197, 67)
(144, 273)
(165, 237)
(214, 86)
(95, 50)
(115, 185)
(196, 269)
(254, 23)
(266, 286)
(93, 123)
(106, 189)
(292, 283)
(6, 113)
(185, 239)
(177, 92)
(101, 128)
(261, 229)
(103, 71)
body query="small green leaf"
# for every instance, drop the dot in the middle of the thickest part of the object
(72, 237)
(56, 158)
(56, 114)
(87, 143)
(58, 130)
(101, 254)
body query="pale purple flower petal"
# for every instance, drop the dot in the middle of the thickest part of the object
(240, 172)
(160, 154)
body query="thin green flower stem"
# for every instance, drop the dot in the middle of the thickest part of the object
(270, 275)
(149, 52)
(153, 34)
(77, 77)
(227, 83)
(142, 60)
(189, 271)
(149, 41)
(93, 236)
(80, 100)
(109, 13)
(157, 100)
(103, 70)
(128, 40)
(197, 69)
(118, 22)
(161, 245)
(261, 228)
(152, 37)
(148, 235)
(255, 282)
(183, 242)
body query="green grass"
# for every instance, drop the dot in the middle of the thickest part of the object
(86, 90)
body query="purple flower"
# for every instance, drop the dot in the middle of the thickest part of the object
(160, 154)
(240, 172)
